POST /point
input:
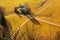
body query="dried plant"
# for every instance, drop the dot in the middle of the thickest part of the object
(4, 23)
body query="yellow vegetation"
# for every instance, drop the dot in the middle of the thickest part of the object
(38, 32)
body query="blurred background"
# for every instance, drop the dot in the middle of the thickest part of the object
(49, 13)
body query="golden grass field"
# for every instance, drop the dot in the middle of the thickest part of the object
(49, 13)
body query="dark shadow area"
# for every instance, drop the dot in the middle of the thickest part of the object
(57, 36)
(6, 34)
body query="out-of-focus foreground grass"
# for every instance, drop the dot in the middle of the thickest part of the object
(30, 31)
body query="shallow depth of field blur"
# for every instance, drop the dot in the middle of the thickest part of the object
(30, 31)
